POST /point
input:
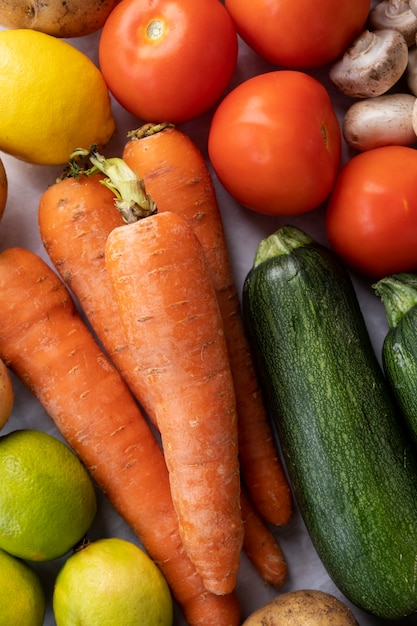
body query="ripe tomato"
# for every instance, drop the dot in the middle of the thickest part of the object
(275, 143)
(168, 60)
(299, 33)
(371, 218)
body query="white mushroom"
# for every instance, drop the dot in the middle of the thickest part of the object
(395, 14)
(413, 5)
(380, 121)
(411, 71)
(414, 117)
(372, 65)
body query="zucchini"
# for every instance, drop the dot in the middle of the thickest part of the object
(346, 449)
(398, 293)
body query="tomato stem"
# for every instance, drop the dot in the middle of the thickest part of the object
(155, 29)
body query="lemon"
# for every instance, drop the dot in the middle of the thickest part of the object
(47, 499)
(53, 98)
(22, 598)
(6, 394)
(110, 582)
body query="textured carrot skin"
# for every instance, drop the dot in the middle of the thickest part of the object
(75, 217)
(261, 547)
(171, 317)
(45, 342)
(177, 178)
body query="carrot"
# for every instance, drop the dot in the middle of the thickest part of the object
(260, 545)
(171, 317)
(76, 215)
(177, 178)
(45, 342)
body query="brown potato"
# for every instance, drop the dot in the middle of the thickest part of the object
(3, 189)
(6, 394)
(72, 18)
(304, 607)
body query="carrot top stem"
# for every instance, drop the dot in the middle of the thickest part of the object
(146, 130)
(78, 165)
(132, 200)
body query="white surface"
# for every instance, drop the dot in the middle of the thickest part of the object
(244, 230)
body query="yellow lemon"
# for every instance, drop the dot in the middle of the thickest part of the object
(47, 499)
(111, 582)
(3, 188)
(53, 98)
(6, 394)
(22, 598)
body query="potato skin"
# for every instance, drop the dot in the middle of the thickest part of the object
(304, 607)
(64, 19)
(6, 394)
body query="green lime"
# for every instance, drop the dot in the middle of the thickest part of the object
(22, 599)
(109, 582)
(47, 498)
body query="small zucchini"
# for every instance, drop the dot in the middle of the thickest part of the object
(352, 467)
(398, 293)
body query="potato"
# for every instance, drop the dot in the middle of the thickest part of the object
(6, 394)
(304, 607)
(72, 18)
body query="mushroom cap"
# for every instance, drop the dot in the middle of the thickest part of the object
(411, 71)
(380, 121)
(375, 61)
(396, 14)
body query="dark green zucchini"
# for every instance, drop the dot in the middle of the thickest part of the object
(352, 467)
(398, 293)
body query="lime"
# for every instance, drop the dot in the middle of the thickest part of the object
(53, 98)
(47, 499)
(109, 582)
(22, 599)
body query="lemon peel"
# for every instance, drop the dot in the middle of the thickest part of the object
(53, 98)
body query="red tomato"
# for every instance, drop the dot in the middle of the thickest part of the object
(299, 33)
(275, 143)
(371, 218)
(168, 60)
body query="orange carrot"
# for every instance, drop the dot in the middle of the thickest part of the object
(261, 546)
(76, 215)
(172, 321)
(177, 178)
(45, 342)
